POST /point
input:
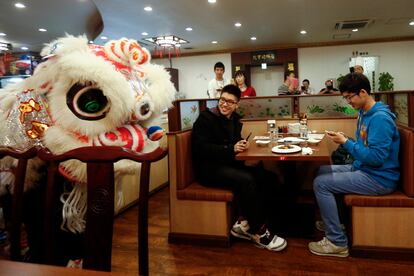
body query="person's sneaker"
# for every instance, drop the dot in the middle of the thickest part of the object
(325, 247)
(320, 225)
(270, 241)
(240, 229)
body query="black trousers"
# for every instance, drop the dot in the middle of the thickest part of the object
(255, 190)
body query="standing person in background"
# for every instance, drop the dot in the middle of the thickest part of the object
(290, 85)
(245, 88)
(216, 84)
(306, 89)
(329, 89)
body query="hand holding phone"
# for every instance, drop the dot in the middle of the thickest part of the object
(330, 132)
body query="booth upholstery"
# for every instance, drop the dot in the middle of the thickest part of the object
(387, 222)
(197, 214)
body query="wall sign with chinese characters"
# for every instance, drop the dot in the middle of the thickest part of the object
(263, 57)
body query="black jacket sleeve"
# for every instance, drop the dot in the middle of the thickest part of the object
(207, 141)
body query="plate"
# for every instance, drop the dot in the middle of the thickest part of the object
(291, 140)
(280, 149)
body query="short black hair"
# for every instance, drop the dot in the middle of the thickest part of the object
(232, 89)
(219, 65)
(354, 82)
(306, 80)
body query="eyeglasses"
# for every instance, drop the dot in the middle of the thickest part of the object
(227, 101)
(348, 98)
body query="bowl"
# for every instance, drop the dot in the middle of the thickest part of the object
(313, 141)
(262, 143)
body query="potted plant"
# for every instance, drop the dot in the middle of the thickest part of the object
(385, 82)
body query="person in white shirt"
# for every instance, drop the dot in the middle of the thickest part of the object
(216, 85)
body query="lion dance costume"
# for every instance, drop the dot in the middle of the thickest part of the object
(84, 95)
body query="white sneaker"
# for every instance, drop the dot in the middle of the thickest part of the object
(270, 241)
(325, 247)
(240, 229)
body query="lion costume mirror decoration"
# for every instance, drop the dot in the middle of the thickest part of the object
(84, 95)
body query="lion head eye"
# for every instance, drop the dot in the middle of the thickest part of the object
(87, 102)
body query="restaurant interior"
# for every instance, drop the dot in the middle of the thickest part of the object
(88, 213)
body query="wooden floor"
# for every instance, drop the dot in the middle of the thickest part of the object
(242, 258)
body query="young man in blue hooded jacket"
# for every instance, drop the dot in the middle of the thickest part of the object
(375, 170)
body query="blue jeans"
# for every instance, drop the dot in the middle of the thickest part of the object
(341, 179)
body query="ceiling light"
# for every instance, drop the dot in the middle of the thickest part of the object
(167, 44)
(237, 24)
(167, 41)
(355, 30)
(253, 38)
(2, 34)
(148, 8)
(90, 41)
(214, 42)
(104, 37)
(42, 30)
(20, 5)
(212, 1)
(303, 32)
(144, 33)
(411, 23)
(24, 48)
(189, 29)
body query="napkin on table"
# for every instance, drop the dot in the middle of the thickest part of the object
(307, 151)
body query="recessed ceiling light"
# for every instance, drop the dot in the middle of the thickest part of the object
(144, 33)
(303, 32)
(214, 42)
(42, 30)
(237, 24)
(253, 38)
(104, 37)
(24, 48)
(148, 8)
(411, 23)
(189, 29)
(91, 41)
(212, 1)
(20, 5)
(355, 30)
(2, 34)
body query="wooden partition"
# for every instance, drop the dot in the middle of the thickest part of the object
(320, 109)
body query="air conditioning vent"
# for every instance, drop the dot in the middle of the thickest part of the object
(188, 48)
(353, 24)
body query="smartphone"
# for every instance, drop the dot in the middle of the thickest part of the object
(302, 88)
(248, 136)
(330, 132)
(351, 69)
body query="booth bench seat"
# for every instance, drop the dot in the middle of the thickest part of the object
(198, 214)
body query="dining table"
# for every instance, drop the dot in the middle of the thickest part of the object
(301, 207)
(320, 152)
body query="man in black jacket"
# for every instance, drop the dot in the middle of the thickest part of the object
(216, 139)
